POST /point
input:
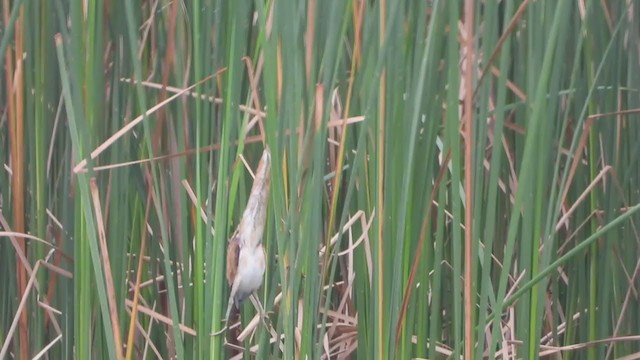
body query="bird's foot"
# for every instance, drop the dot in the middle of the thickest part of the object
(224, 328)
(219, 332)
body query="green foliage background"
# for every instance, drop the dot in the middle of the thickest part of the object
(400, 188)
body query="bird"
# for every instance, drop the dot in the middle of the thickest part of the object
(246, 258)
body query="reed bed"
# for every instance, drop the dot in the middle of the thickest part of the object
(450, 179)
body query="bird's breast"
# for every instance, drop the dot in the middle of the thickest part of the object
(251, 266)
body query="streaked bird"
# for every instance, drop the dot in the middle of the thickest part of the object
(245, 254)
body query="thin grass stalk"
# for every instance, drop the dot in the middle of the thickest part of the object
(332, 67)
(468, 77)
(200, 237)
(17, 123)
(452, 144)
(490, 230)
(72, 107)
(170, 281)
(10, 24)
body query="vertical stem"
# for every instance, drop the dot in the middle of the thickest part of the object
(468, 179)
(16, 129)
(380, 187)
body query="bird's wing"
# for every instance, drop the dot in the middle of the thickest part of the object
(233, 255)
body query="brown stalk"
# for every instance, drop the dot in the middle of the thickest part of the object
(56, 234)
(161, 318)
(309, 38)
(358, 12)
(136, 290)
(255, 95)
(14, 92)
(125, 129)
(423, 235)
(21, 310)
(248, 140)
(512, 24)
(106, 263)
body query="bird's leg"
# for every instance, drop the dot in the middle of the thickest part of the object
(234, 290)
(226, 319)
